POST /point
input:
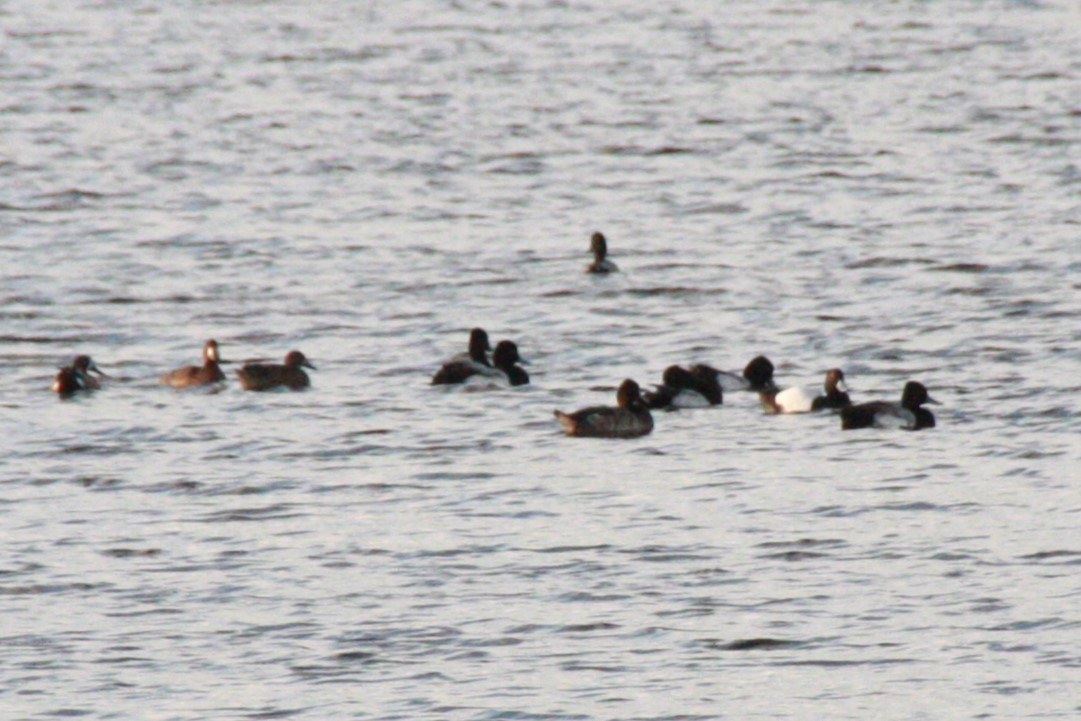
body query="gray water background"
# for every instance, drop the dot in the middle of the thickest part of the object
(889, 187)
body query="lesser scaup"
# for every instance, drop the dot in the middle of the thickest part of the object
(504, 359)
(630, 419)
(757, 376)
(907, 414)
(698, 387)
(267, 376)
(206, 374)
(464, 365)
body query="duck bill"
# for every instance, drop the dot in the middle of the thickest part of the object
(307, 364)
(94, 369)
(932, 401)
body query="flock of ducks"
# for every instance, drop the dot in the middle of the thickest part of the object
(698, 386)
(252, 376)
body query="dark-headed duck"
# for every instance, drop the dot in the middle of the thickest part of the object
(463, 365)
(267, 376)
(806, 400)
(907, 414)
(630, 419)
(504, 358)
(206, 374)
(757, 376)
(698, 387)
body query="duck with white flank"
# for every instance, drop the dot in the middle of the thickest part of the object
(698, 387)
(463, 365)
(805, 400)
(757, 376)
(907, 414)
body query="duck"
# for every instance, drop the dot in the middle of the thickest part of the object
(463, 365)
(698, 387)
(757, 376)
(207, 374)
(708, 380)
(503, 368)
(598, 246)
(629, 419)
(478, 347)
(907, 415)
(76, 377)
(504, 358)
(805, 400)
(267, 376)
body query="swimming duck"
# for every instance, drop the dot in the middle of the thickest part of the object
(675, 381)
(504, 358)
(630, 419)
(708, 383)
(504, 368)
(698, 387)
(266, 376)
(206, 374)
(757, 376)
(907, 414)
(805, 400)
(478, 345)
(76, 377)
(598, 246)
(463, 365)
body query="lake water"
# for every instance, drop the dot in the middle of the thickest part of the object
(889, 187)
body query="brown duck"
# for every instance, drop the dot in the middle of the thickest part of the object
(598, 246)
(267, 376)
(76, 377)
(630, 419)
(207, 374)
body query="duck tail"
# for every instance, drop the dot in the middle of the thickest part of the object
(568, 423)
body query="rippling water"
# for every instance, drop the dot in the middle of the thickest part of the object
(892, 188)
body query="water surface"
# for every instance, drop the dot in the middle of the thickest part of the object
(891, 188)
